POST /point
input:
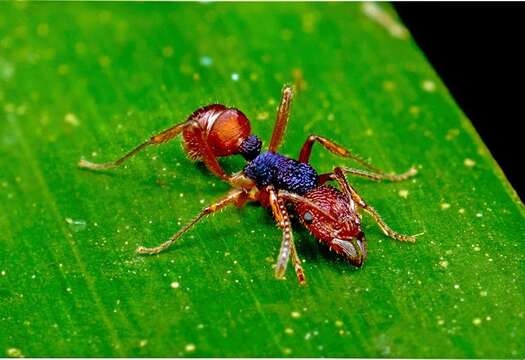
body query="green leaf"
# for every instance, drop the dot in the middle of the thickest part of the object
(84, 80)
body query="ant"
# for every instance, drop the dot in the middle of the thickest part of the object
(275, 181)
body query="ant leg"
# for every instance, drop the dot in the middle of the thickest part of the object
(306, 151)
(380, 176)
(372, 175)
(297, 265)
(287, 245)
(376, 174)
(282, 118)
(207, 155)
(234, 197)
(353, 195)
(160, 138)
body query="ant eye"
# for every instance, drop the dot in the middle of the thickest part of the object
(308, 217)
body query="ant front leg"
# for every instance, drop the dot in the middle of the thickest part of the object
(375, 174)
(283, 115)
(287, 245)
(339, 176)
(236, 197)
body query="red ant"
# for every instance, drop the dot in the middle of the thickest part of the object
(275, 181)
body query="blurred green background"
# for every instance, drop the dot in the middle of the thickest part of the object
(93, 80)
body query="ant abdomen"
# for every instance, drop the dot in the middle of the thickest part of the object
(225, 130)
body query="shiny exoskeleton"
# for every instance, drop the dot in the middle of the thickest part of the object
(278, 182)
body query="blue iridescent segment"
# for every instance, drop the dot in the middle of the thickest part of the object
(250, 147)
(283, 173)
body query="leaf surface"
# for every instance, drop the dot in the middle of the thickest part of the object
(84, 80)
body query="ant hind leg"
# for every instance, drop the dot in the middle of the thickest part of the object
(206, 153)
(197, 135)
(235, 197)
(160, 138)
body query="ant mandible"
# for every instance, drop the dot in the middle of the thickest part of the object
(275, 181)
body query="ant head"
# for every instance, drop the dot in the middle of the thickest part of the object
(334, 222)
(353, 249)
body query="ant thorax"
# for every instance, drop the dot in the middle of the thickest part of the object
(270, 168)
